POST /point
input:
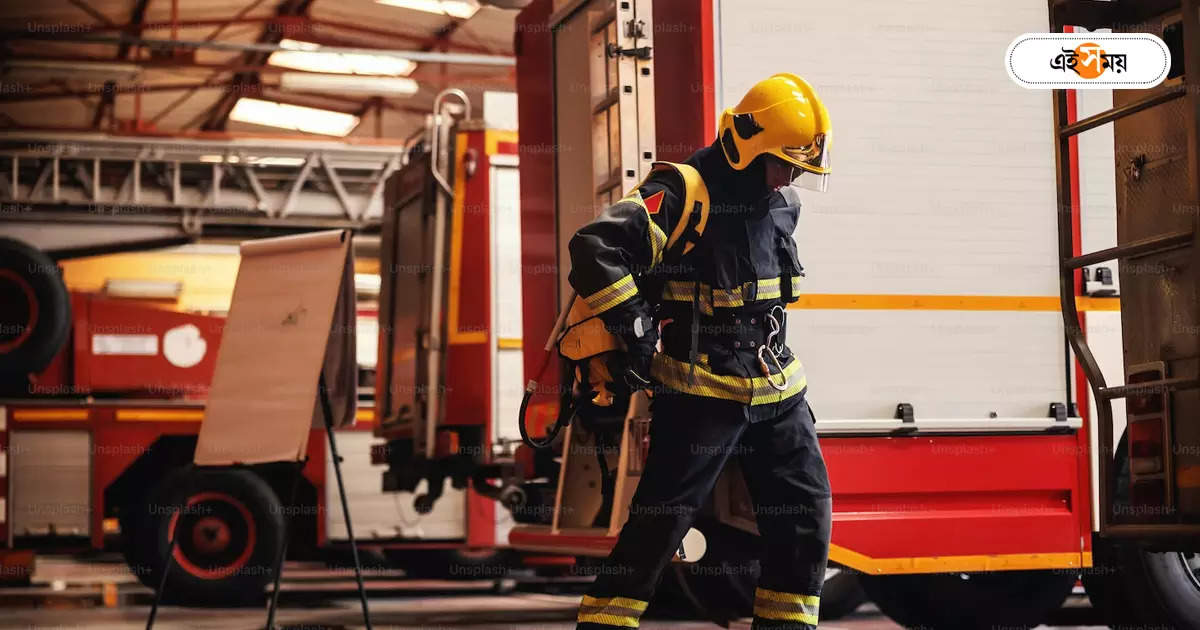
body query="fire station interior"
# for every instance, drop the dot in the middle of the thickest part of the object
(290, 334)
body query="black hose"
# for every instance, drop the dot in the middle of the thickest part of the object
(564, 418)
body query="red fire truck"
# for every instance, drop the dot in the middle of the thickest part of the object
(976, 474)
(105, 389)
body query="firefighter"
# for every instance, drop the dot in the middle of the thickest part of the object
(704, 251)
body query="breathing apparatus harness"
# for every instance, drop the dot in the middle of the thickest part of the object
(592, 353)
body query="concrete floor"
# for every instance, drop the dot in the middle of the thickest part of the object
(101, 594)
(509, 612)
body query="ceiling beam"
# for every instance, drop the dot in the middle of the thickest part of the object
(90, 10)
(106, 90)
(426, 42)
(281, 23)
(265, 48)
(248, 79)
(359, 105)
(498, 80)
(108, 96)
(136, 18)
(198, 135)
(240, 18)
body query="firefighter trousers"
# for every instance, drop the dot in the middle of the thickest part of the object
(691, 438)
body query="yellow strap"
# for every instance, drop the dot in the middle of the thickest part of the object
(694, 190)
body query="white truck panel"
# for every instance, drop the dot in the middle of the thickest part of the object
(943, 176)
(379, 515)
(947, 364)
(943, 184)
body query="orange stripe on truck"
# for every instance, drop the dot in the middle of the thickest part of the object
(954, 564)
(948, 302)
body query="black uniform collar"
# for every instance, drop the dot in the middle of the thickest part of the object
(732, 191)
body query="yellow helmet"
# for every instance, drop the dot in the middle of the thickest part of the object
(780, 116)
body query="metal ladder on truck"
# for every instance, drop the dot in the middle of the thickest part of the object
(1158, 236)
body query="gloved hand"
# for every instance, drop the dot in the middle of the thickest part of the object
(633, 324)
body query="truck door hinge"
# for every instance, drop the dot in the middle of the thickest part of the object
(635, 29)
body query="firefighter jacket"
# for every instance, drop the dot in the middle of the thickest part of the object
(709, 254)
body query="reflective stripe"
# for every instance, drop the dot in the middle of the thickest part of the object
(658, 238)
(611, 295)
(658, 241)
(612, 611)
(768, 289)
(764, 289)
(747, 390)
(778, 605)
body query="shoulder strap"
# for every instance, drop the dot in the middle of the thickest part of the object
(694, 217)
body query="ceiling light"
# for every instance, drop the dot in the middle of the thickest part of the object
(278, 161)
(219, 159)
(462, 9)
(308, 56)
(308, 82)
(294, 117)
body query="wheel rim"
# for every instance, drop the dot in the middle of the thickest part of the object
(217, 535)
(17, 316)
(1191, 567)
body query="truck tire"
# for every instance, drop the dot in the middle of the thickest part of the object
(230, 530)
(35, 310)
(1136, 587)
(720, 586)
(969, 601)
(842, 593)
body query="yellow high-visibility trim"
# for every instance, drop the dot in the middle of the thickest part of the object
(763, 612)
(787, 598)
(50, 414)
(160, 415)
(768, 289)
(612, 295)
(611, 611)
(657, 238)
(958, 564)
(764, 289)
(658, 243)
(608, 620)
(950, 302)
(747, 390)
(783, 615)
(623, 602)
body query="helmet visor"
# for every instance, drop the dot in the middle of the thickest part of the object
(814, 158)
